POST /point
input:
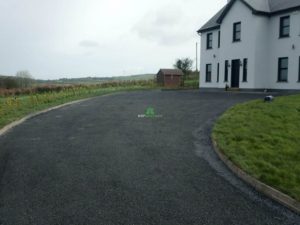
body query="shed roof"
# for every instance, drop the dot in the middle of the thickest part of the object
(267, 7)
(171, 72)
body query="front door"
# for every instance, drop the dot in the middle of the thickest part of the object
(235, 73)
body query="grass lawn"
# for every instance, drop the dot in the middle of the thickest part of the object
(264, 140)
(14, 108)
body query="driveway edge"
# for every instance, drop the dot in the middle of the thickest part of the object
(18, 122)
(272, 193)
(10, 126)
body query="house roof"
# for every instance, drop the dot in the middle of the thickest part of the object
(212, 23)
(267, 7)
(171, 72)
(272, 6)
(278, 5)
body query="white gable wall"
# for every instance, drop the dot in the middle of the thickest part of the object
(230, 50)
(238, 50)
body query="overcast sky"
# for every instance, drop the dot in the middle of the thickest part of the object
(76, 38)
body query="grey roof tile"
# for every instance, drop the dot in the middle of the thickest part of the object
(259, 5)
(278, 5)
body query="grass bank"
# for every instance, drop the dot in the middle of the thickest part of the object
(15, 107)
(263, 139)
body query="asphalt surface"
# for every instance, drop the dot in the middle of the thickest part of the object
(98, 162)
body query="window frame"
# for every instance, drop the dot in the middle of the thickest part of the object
(219, 39)
(245, 70)
(208, 74)
(218, 73)
(235, 32)
(299, 70)
(282, 27)
(209, 43)
(226, 71)
(280, 69)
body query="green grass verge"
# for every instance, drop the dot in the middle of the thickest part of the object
(194, 84)
(14, 108)
(263, 139)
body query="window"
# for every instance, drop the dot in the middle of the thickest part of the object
(284, 26)
(218, 73)
(208, 73)
(219, 39)
(226, 71)
(245, 70)
(209, 41)
(283, 64)
(237, 32)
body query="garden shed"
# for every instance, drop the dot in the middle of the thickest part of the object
(170, 77)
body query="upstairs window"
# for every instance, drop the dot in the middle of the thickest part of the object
(283, 65)
(209, 41)
(208, 73)
(237, 28)
(219, 39)
(284, 26)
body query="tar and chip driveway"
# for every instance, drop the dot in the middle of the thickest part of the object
(102, 162)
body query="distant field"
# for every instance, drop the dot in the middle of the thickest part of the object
(9, 82)
(263, 140)
(96, 80)
(12, 82)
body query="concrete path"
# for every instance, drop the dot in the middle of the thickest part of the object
(97, 162)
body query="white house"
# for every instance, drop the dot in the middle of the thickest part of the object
(252, 44)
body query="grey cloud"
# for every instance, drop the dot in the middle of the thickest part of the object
(167, 17)
(167, 26)
(88, 44)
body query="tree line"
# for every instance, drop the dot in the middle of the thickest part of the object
(22, 79)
